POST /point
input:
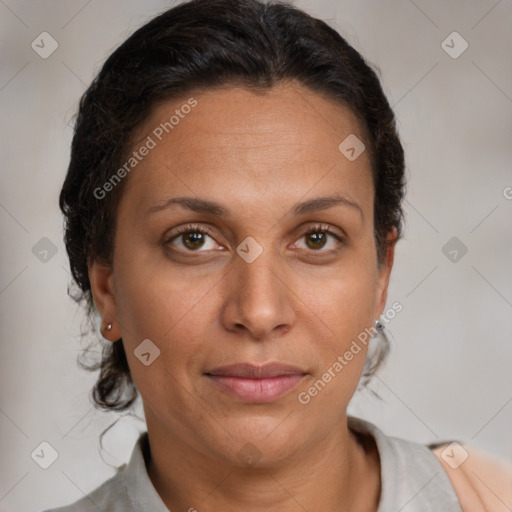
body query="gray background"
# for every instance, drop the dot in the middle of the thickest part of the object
(449, 374)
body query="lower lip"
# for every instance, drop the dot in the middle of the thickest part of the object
(257, 390)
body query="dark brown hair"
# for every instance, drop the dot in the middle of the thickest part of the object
(203, 44)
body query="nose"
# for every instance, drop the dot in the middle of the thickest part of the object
(259, 300)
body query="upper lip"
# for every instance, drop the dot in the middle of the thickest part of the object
(255, 371)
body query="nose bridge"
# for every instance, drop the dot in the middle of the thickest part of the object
(256, 270)
(262, 301)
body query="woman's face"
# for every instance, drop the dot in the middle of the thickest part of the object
(255, 288)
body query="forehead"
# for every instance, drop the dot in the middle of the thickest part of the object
(219, 141)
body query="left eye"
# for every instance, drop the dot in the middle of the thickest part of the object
(318, 238)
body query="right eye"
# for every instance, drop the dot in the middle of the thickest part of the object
(191, 238)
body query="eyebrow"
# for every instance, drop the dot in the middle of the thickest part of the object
(205, 206)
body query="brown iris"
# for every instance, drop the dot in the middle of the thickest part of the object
(318, 240)
(193, 240)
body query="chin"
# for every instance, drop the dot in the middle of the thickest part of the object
(261, 442)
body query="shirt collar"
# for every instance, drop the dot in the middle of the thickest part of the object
(140, 489)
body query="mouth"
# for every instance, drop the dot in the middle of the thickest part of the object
(256, 383)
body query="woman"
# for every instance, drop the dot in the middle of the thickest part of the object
(232, 207)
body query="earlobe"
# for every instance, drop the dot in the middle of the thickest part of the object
(102, 288)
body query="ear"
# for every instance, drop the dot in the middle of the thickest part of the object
(385, 271)
(102, 286)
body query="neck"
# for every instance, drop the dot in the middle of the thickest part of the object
(338, 474)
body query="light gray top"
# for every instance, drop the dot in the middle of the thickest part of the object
(412, 480)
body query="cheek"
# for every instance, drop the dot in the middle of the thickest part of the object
(349, 300)
(153, 296)
(172, 307)
(345, 315)
(156, 304)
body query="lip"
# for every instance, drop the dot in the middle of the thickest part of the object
(256, 383)
(255, 371)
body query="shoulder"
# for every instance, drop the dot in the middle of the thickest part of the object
(482, 482)
(111, 495)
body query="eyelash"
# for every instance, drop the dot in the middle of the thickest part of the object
(316, 229)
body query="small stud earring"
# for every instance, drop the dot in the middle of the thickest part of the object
(106, 329)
